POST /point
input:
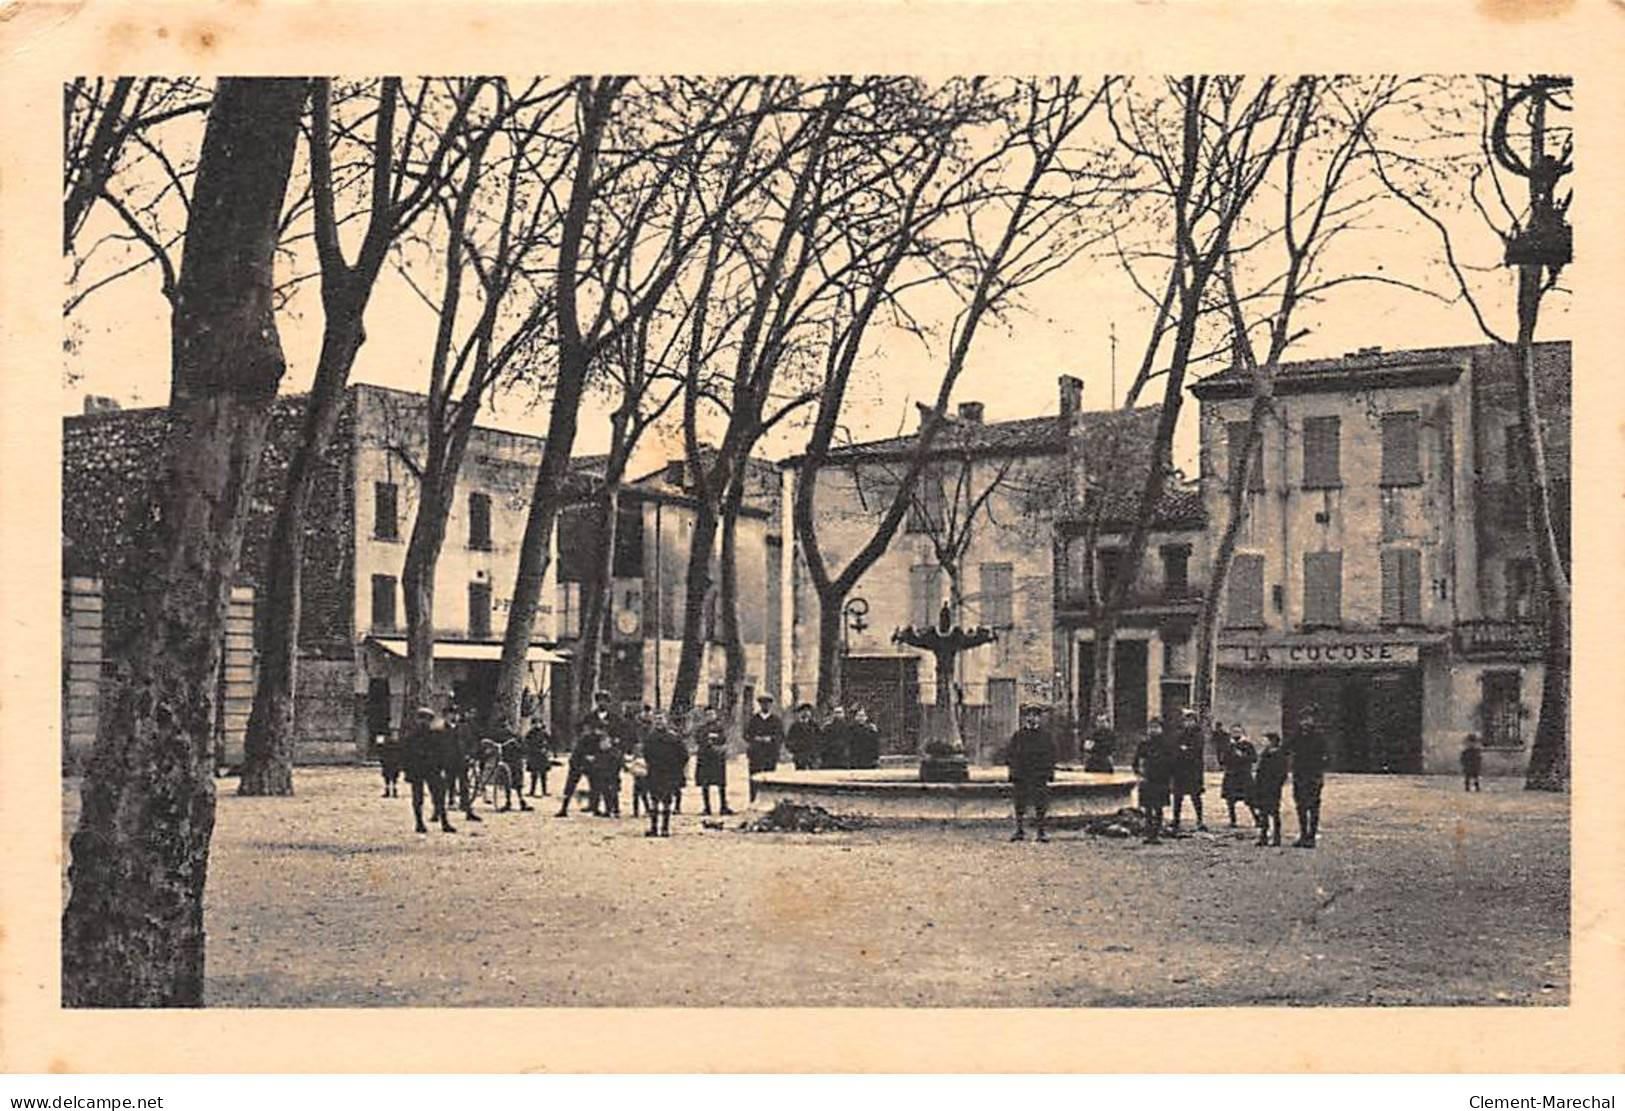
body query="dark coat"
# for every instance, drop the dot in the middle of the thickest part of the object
(1188, 761)
(1472, 760)
(1153, 763)
(763, 736)
(667, 758)
(1308, 751)
(1098, 753)
(1269, 779)
(1030, 756)
(802, 741)
(420, 754)
(1239, 757)
(835, 745)
(537, 744)
(710, 756)
(863, 745)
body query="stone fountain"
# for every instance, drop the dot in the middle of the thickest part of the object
(944, 760)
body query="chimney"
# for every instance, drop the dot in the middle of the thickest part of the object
(676, 471)
(970, 412)
(1071, 396)
(94, 403)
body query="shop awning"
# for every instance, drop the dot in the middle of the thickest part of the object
(469, 650)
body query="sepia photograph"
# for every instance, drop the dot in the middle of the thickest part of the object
(632, 562)
(603, 543)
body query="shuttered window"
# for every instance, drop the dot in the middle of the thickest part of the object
(1176, 570)
(928, 507)
(383, 601)
(1322, 453)
(1323, 588)
(385, 521)
(479, 521)
(1401, 586)
(1236, 440)
(1108, 570)
(1246, 592)
(479, 611)
(1401, 458)
(998, 583)
(925, 594)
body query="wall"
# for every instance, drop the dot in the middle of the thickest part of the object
(1015, 527)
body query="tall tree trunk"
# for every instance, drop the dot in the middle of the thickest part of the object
(132, 932)
(268, 747)
(697, 586)
(1549, 755)
(831, 601)
(575, 360)
(1206, 671)
(733, 645)
(595, 606)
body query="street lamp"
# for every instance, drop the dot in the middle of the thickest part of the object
(852, 620)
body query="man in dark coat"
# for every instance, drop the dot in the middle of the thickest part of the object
(802, 738)
(1153, 764)
(1308, 752)
(538, 755)
(420, 760)
(666, 759)
(464, 731)
(1268, 782)
(764, 733)
(711, 761)
(1188, 780)
(1031, 759)
(1220, 740)
(863, 750)
(1100, 746)
(589, 731)
(1237, 760)
(835, 741)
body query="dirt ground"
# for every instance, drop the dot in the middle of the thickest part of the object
(1418, 894)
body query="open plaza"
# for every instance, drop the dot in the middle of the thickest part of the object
(1418, 894)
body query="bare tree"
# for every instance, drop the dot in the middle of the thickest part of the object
(1535, 237)
(1017, 197)
(1324, 188)
(400, 185)
(132, 932)
(1206, 144)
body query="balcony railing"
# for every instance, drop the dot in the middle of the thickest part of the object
(1500, 638)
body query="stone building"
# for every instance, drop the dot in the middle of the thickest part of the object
(352, 634)
(1385, 575)
(1017, 477)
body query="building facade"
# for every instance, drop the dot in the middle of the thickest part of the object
(352, 644)
(981, 536)
(1384, 575)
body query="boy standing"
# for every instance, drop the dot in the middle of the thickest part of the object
(1153, 763)
(1472, 762)
(1268, 782)
(802, 738)
(1031, 758)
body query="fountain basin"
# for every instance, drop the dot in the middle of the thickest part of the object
(897, 793)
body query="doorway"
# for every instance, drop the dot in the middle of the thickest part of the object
(1129, 697)
(1373, 719)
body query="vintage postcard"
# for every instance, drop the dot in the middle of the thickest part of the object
(841, 537)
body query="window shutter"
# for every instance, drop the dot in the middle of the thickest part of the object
(479, 520)
(1401, 463)
(1236, 440)
(1246, 594)
(384, 524)
(1322, 588)
(383, 601)
(1322, 452)
(1175, 570)
(924, 593)
(479, 610)
(1390, 587)
(1410, 586)
(997, 584)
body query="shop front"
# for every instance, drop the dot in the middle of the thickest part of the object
(464, 672)
(1368, 691)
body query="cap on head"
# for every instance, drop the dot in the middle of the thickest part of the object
(764, 700)
(425, 711)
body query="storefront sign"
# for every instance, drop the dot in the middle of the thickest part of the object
(1318, 654)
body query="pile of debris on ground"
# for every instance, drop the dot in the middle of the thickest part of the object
(1127, 822)
(795, 817)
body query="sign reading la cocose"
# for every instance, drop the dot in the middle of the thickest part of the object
(1320, 653)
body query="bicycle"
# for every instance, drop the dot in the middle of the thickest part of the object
(496, 772)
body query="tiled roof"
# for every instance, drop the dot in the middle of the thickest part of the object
(1028, 435)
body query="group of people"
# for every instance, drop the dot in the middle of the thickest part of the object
(1170, 769)
(441, 756)
(839, 741)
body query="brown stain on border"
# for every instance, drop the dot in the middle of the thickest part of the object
(1524, 11)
